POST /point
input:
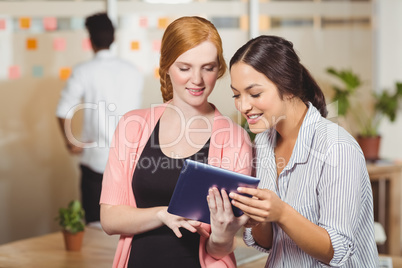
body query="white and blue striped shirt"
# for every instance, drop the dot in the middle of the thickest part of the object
(326, 181)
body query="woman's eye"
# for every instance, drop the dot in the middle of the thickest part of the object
(255, 95)
(183, 69)
(236, 96)
(210, 69)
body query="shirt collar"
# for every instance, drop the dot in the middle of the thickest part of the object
(103, 53)
(305, 137)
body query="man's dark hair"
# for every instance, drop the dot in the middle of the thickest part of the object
(101, 30)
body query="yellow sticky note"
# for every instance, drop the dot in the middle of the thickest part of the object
(64, 73)
(32, 44)
(156, 73)
(135, 45)
(25, 23)
(265, 23)
(244, 23)
(163, 23)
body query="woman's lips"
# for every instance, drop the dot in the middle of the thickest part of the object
(253, 118)
(196, 91)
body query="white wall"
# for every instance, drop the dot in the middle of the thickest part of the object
(389, 69)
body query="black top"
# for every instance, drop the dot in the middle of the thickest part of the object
(154, 180)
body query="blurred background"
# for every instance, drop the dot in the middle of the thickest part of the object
(41, 41)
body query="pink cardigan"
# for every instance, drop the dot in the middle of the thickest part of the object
(230, 148)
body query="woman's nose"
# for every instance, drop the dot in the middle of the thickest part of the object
(243, 105)
(196, 78)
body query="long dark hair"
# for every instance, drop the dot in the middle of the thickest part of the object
(275, 57)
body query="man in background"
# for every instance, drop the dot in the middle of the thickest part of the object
(104, 88)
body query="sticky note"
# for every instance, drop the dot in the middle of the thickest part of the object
(156, 73)
(2, 24)
(59, 44)
(264, 23)
(156, 45)
(135, 45)
(163, 23)
(64, 73)
(77, 23)
(32, 44)
(50, 23)
(143, 22)
(244, 23)
(86, 44)
(14, 72)
(37, 71)
(25, 22)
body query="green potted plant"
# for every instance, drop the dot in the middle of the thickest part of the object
(72, 221)
(351, 82)
(384, 104)
(368, 119)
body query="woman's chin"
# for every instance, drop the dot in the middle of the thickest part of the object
(256, 130)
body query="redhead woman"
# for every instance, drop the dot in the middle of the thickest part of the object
(314, 204)
(150, 147)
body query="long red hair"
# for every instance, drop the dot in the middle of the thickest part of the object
(181, 35)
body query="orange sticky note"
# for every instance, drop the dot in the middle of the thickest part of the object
(32, 44)
(25, 23)
(59, 44)
(163, 23)
(64, 73)
(143, 22)
(135, 45)
(156, 73)
(50, 23)
(86, 44)
(244, 23)
(2, 24)
(156, 45)
(14, 72)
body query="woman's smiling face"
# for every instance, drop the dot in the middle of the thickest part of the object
(256, 97)
(194, 74)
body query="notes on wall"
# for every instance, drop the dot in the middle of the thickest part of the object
(49, 43)
(14, 72)
(59, 44)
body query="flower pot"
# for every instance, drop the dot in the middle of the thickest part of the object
(73, 242)
(370, 147)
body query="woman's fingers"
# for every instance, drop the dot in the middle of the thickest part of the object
(226, 202)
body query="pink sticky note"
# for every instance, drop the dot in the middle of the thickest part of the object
(59, 44)
(2, 24)
(86, 44)
(143, 22)
(14, 72)
(50, 23)
(156, 45)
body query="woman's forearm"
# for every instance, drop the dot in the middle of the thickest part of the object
(311, 238)
(127, 220)
(262, 234)
(219, 249)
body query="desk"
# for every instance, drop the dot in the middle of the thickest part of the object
(98, 249)
(388, 204)
(48, 252)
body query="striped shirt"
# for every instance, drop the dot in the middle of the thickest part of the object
(326, 181)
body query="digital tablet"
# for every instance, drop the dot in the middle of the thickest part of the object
(189, 198)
